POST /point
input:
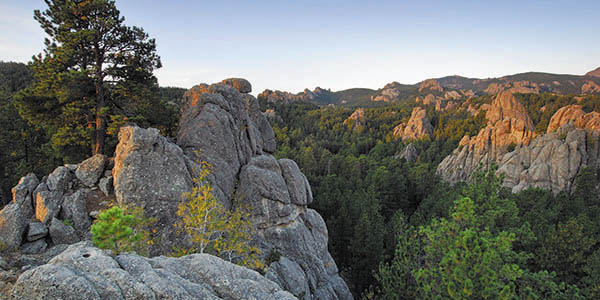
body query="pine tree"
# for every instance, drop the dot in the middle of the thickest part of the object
(92, 70)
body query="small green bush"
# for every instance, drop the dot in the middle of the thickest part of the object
(119, 231)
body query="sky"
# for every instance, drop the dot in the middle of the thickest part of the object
(339, 44)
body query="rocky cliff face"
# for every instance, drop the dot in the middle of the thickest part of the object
(222, 125)
(508, 126)
(418, 126)
(590, 87)
(550, 161)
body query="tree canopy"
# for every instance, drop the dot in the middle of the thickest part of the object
(95, 72)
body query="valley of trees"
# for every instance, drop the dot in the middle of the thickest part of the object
(398, 232)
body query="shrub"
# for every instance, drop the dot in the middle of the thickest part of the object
(118, 230)
(214, 229)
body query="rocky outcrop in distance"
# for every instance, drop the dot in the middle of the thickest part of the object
(282, 97)
(430, 85)
(590, 87)
(550, 161)
(418, 126)
(409, 153)
(220, 124)
(356, 120)
(574, 114)
(508, 126)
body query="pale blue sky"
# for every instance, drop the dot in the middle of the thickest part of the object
(290, 45)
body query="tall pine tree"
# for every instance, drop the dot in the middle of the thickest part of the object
(93, 71)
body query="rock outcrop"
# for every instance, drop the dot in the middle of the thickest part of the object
(70, 193)
(223, 127)
(390, 92)
(220, 125)
(356, 120)
(550, 161)
(318, 95)
(430, 85)
(418, 126)
(409, 153)
(574, 114)
(508, 126)
(523, 87)
(590, 87)
(85, 272)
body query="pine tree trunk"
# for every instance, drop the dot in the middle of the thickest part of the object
(100, 117)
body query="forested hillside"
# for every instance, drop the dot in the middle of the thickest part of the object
(398, 232)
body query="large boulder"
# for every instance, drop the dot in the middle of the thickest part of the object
(151, 172)
(13, 223)
(240, 84)
(60, 233)
(59, 179)
(85, 272)
(23, 193)
(90, 170)
(36, 231)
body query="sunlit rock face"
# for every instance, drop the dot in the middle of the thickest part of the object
(550, 161)
(418, 126)
(508, 125)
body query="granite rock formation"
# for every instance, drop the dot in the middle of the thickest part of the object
(356, 120)
(85, 272)
(550, 161)
(222, 126)
(418, 126)
(508, 126)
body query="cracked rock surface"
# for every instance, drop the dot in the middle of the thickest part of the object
(85, 272)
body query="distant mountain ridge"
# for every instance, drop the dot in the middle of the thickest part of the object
(453, 87)
(594, 73)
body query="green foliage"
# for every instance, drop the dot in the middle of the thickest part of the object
(119, 231)
(93, 67)
(20, 143)
(68, 222)
(462, 261)
(214, 229)
(481, 252)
